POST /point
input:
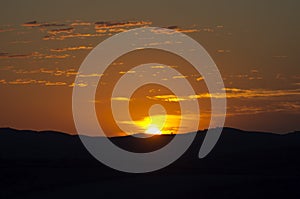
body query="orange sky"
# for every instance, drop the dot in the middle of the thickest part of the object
(43, 45)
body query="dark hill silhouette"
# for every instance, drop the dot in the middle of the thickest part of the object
(50, 164)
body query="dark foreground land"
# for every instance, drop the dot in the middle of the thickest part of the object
(242, 165)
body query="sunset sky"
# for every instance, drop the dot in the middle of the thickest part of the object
(255, 44)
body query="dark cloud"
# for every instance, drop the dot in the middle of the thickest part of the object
(61, 30)
(3, 54)
(31, 24)
(36, 24)
(172, 27)
(7, 55)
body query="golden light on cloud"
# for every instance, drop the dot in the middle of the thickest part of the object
(79, 23)
(72, 48)
(120, 99)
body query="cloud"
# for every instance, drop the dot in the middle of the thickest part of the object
(187, 30)
(36, 24)
(171, 29)
(31, 24)
(78, 84)
(168, 123)
(235, 110)
(120, 99)
(91, 75)
(22, 71)
(80, 23)
(74, 35)
(253, 76)
(23, 81)
(61, 30)
(3, 81)
(158, 67)
(71, 48)
(58, 72)
(254, 71)
(116, 27)
(223, 51)
(112, 25)
(208, 30)
(127, 72)
(8, 56)
(21, 42)
(168, 98)
(101, 28)
(53, 72)
(4, 54)
(230, 93)
(251, 93)
(292, 106)
(34, 81)
(34, 55)
(199, 79)
(49, 56)
(56, 56)
(55, 83)
(179, 77)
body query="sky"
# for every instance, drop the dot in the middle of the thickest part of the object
(255, 45)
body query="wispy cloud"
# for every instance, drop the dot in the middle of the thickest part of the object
(170, 30)
(113, 25)
(251, 93)
(120, 99)
(78, 84)
(169, 98)
(91, 75)
(71, 48)
(223, 51)
(80, 23)
(230, 93)
(53, 72)
(55, 83)
(74, 35)
(127, 72)
(61, 30)
(179, 77)
(34, 81)
(253, 75)
(11, 56)
(37, 24)
(3, 81)
(36, 55)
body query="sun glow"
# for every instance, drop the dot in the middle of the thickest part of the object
(152, 129)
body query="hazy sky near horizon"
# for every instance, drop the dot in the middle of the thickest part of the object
(255, 44)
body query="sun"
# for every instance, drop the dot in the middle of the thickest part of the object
(152, 129)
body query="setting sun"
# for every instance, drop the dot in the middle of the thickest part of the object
(152, 129)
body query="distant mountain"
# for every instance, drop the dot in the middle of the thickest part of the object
(50, 164)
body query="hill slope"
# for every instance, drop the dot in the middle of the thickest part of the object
(242, 165)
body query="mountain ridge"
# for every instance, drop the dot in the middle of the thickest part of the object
(14, 130)
(241, 165)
